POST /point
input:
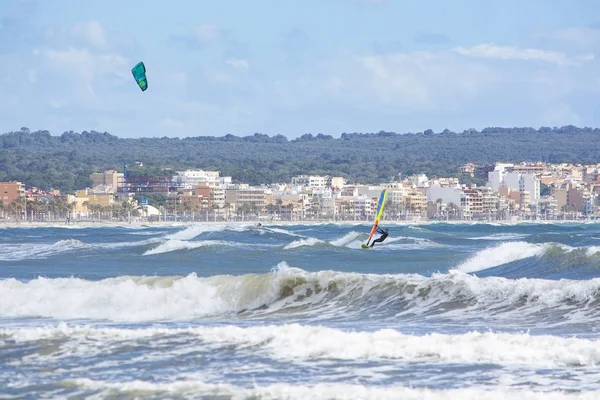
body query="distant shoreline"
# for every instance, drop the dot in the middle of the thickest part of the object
(104, 223)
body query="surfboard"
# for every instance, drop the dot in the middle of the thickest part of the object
(380, 207)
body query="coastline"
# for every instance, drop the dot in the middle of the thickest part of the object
(139, 224)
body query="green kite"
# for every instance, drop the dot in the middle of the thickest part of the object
(139, 73)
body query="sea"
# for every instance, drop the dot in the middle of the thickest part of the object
(300, 311)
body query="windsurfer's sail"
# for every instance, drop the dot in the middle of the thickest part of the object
(380, 207)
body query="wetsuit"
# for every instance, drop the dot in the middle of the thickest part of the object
(383, 236)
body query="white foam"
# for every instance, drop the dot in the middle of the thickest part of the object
(176, 245)
(127, 298)
(12, 252)
(282, 231)
(303, 242)
(513, 298)
(302, 343)
(22, 251)
(191, 232)
(502, 254)
(346, 239)
(592, 251)
(409, 243)
(318, 295)
(501, 236)
(329, 391)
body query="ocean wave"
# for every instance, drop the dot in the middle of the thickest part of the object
(178, 245)
(22, 251)
(33, 251)
(315, 295)
(501, 236)
(198, 389)
(303, 242)
(300, 343)
(501, 254)
(553, 257)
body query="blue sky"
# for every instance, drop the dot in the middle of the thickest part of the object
(297, 66)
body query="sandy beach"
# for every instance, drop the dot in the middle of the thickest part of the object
(141, 223)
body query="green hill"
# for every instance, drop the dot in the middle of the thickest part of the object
(64, 162)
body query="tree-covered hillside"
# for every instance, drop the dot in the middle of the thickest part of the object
(65, 162)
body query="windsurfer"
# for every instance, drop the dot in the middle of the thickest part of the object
(384, 235)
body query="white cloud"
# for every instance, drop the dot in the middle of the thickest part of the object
(176, 81)
(575, 36)
(83, 63)
(171, 124)
(513, 53)
(80, 75)
(92, 32)
(408, 82)
(32, 76)
(83, 81)
(207, 33)
(373, 1)
(560, 114)
(55, 103)
(219, 77)
(334, 84)
(238, 64)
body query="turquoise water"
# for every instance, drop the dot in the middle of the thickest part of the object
(300, 311)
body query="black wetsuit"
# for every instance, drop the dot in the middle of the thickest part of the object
(383, 236)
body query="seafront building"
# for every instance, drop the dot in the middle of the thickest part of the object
(511, 191)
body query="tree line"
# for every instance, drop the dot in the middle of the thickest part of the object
(66, 161)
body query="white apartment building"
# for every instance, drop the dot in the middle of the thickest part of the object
(524, 183)
(420, 180)
(337, 182)
(369, 191)
(496, 177)
(328, 206)
(322, 202)
(395, 195)
(521, 182)
(447, 194)
(110, 178)
(189, 179)
(310, 181)
(361, 206)
(349, 191)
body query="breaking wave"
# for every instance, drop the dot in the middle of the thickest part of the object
(292, 292)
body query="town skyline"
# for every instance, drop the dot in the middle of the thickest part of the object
(513, 191)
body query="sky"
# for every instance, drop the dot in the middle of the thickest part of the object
(292, 67)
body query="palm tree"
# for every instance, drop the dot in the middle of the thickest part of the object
(279, 203)
(438, 207)
(36, 208)
(86, 205)
(215, 208)
(95, 209)
(63, 207)
(70, 208)
(115, 210)
(187, 208)
(11, 209)
(272, 209)
(452, 209)
(227, 207)
(20, 207)
(128, 207)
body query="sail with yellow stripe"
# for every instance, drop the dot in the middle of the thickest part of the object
(380, 207)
